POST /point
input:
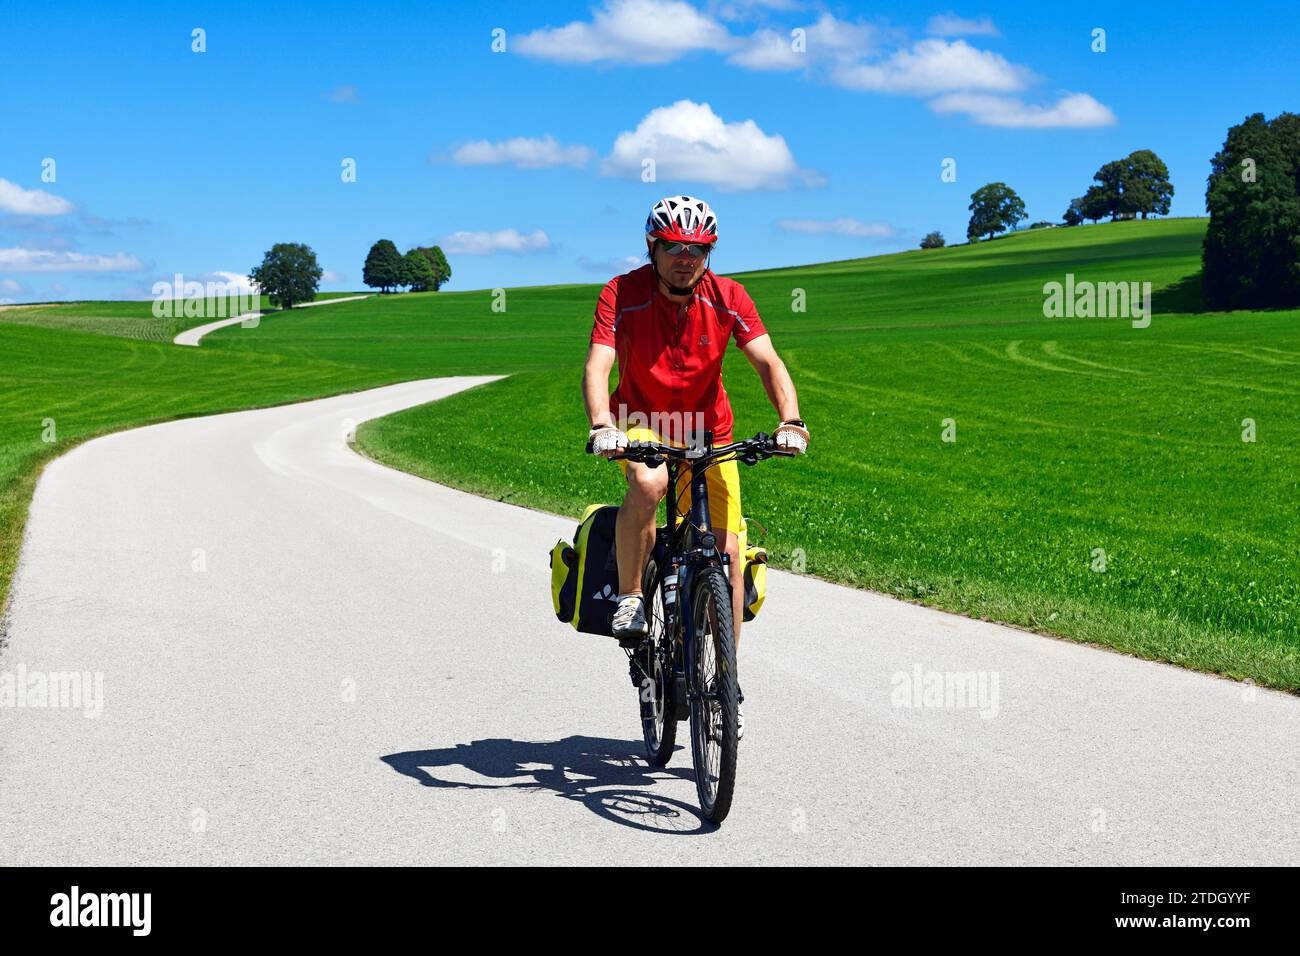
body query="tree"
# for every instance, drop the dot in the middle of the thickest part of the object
(1074, 214)
(1147, 188)
(417, 271)
(441, 270)
(933, 240)
(1138, 183)
(383, 269)
(994, 208)
(1096, 204)
(1251, 253)
(289, 274)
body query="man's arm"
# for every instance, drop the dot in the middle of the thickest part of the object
(595, 383)
(776, 380)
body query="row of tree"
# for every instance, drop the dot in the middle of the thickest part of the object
(1251, 254)
(422, 269)
(1136, 185)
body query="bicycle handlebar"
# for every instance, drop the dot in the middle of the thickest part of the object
(750, 451)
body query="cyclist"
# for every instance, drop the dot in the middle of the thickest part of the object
(668, 323)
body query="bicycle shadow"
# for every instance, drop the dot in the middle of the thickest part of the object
(609, 777)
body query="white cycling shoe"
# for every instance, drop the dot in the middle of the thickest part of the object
(629, 619)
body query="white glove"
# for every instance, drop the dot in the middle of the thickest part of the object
(607, 440)
(793, 436)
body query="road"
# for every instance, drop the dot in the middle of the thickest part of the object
(307, 657)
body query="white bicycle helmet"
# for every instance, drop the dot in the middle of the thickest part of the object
(682, 219)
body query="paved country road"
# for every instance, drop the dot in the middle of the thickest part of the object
(309, 658)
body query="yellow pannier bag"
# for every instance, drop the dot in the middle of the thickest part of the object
(755, 572)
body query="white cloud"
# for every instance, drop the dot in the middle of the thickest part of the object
(1072, 110)
(330, 277)
(347, 94)
(628, 31)
(502, 240)
(242, 283)
(522, 152)
(839, 227)
(42, 260)
(7, 302)
(9, 285)
(747, 9)
(689, 142)
(936, 66)
(827, 38)
(951, 25)
(615, 266)
(31, 202)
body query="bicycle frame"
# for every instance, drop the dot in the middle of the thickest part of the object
(688, 546)
(688, 550)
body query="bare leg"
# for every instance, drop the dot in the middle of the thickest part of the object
(634, 531)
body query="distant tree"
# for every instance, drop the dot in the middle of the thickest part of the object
(1147, 188)
(933, 240)
(288, 275)
(1251, 254)
(1110, 185)
(1074, 214)
(1096, 204)
(1138, 183)
(383, 269)
(441, 270)
(417, 271)
(994, 208)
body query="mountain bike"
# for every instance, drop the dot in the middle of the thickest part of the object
(685, 667)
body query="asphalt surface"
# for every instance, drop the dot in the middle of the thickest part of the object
(307, 657)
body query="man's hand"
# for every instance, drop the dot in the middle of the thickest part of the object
(606, 440)
(792, 435)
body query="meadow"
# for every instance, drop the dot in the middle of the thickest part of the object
(1079, 477)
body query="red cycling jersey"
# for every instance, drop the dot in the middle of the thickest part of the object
(670, 355)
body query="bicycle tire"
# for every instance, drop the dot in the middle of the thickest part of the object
(714, 721)
(658, 713)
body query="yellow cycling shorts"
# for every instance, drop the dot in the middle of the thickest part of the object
(723, 481)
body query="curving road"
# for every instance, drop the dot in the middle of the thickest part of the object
(309, 658)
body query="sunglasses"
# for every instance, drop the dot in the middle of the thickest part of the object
(696, 250)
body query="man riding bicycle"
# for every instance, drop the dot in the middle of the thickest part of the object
(668, 323)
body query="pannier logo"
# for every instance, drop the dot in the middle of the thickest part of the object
(604, 594)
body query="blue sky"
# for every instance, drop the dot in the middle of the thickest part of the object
(526, 164)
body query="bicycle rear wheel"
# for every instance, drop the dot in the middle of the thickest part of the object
(714, 733)
(654, 659)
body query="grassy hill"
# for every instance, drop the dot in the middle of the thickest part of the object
(1074, 436)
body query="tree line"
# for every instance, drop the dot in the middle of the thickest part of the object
(289, 274)
(1250, 257)
(422, 269)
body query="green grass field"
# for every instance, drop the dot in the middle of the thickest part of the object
(1072, 435)
(133, 320)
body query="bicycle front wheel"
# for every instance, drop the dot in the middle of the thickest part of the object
(714, 732)
(654, 662)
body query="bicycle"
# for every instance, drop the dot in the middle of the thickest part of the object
(686, 664)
